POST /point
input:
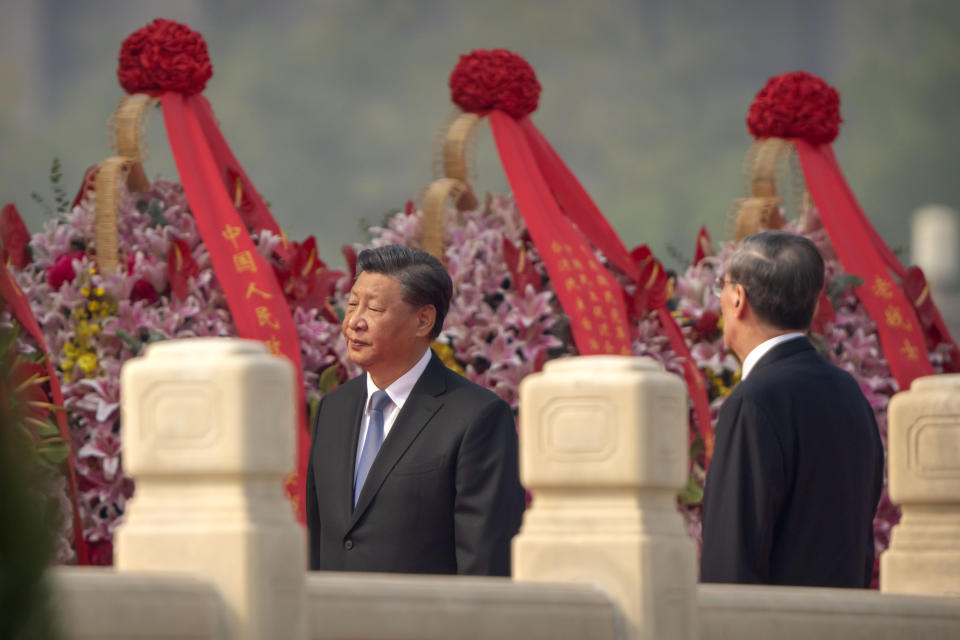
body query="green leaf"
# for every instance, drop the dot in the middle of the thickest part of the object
(820, 344)
(54, 453)
(131, 341)
(692, 493)
(312, 407)
(697, 448)
(48, 430)
(840, 284)
(330, 378)
(37, 357)
(8, 339)
(60, 196)
(156, 212)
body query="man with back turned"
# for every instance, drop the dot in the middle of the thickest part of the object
(413, 468)
(797, 468)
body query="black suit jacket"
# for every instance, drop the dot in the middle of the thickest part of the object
(443, 494)
(795, 478)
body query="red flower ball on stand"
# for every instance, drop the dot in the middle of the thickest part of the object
(796, 105)
(484, 80)
(164, 56)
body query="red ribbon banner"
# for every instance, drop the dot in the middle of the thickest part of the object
(256, 301)
(863, 253)
(252, 209)
(574, 201)
(587, 291)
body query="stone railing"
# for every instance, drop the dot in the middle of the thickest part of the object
(209, 548)
(924, 464)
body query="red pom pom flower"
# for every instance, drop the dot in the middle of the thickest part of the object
(164, 56)
(484, 80)
(796, 105)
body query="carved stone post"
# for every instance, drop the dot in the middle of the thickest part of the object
(208, 435)
(923, 439)
(603, 450)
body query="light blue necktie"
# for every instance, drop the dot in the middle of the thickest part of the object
(371, 444)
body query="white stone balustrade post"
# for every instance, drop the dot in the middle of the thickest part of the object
(923, 459)
(208, 435)
(603, 444)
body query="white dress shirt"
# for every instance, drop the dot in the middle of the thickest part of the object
(398, 392)
(761, 350)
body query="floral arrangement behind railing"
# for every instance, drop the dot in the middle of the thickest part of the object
(93, 322)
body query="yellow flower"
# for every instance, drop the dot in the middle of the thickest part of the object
(67, 365)
(445, 353)
(86, 330)
(99, 291)
(70, 350)
(102, 308)
(85, 291)
(88, 362)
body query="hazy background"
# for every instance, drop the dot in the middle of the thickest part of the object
(332, 107)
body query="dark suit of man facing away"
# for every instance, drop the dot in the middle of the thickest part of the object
(798, 463)
(442, 494)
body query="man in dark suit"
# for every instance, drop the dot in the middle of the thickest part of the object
(413, 468)
(797, 467)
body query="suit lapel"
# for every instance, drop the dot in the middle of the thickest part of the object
(417, 411)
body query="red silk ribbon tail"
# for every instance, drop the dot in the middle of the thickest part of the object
(579, 207)
(694, 380)
(253, 211)
(889, 257)
(575, 202)
(257, 303)
(588, 293)
(899, 329)
(20, 308)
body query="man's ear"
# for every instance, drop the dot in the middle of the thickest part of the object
(739, 302)
(426, 317)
